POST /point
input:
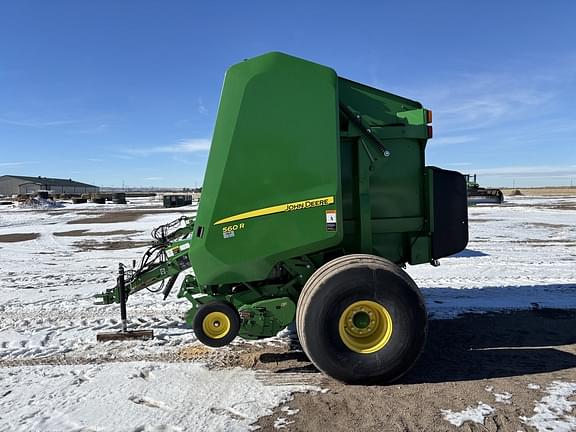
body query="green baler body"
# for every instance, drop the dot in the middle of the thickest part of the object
(297, 168)
(304, 167)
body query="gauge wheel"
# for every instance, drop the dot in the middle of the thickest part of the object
(216, 324)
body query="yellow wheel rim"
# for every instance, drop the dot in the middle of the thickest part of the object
(216, 325)
(365, 326)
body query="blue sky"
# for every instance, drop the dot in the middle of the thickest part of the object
(115, 92)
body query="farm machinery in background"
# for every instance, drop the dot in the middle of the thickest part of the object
(480, 195)
(316, 194)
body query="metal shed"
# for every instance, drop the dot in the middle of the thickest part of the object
(16, 185)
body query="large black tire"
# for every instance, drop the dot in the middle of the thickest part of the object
(216, 324)
(324, 307)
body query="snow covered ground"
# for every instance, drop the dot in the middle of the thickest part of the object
(521, 255)
(551, 413)
(54, 376)
(135, 396)
(47, 285)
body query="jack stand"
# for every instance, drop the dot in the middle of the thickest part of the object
(124, 334)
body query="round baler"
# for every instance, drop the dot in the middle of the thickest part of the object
(316, 194)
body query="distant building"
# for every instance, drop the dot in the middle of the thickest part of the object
(16, 185)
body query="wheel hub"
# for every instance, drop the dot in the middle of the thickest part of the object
(216, 325)
(365, 326)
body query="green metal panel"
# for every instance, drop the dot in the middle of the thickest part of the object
(397, 195)
(275, 148)
(292, 142)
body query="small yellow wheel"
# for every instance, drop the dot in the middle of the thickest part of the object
(365, 326)
(216, 324)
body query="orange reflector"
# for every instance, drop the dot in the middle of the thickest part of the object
(428, 116)
(429, 131)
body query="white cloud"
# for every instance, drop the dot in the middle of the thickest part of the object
(458, 164)
(485, 103)
(201, 107)
(197, 162)
(191, 145)
(103, 127)
(122, 157)
(451, 140)
(14, 163)
(37, 123)
(182, 122)
(481, 102)
(153, 178)
(529, 171)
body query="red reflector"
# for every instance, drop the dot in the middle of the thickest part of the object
(428, 116)
(429, 131)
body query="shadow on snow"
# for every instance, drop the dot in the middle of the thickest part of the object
(469, 253)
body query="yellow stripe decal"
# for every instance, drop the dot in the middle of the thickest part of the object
(281, 208)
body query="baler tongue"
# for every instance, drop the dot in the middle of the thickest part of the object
(165, 259)
(124, 333)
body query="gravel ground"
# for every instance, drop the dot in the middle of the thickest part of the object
(503, 360)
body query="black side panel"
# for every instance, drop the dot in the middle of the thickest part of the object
(450, 213)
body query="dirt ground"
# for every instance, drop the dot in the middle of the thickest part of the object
(545, 191)
(85, 232)
(18, 237)
(466, 361)
(89, 245)
(119, 216)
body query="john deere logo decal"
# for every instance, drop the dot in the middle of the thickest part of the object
(280, 208)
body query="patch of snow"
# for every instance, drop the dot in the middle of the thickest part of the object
(499, 397)
(503, 397)
(281, 423)
(128, 396)
(532, 386)
(472, 414)
(518, 257)
(552, 412)
(289, 411)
